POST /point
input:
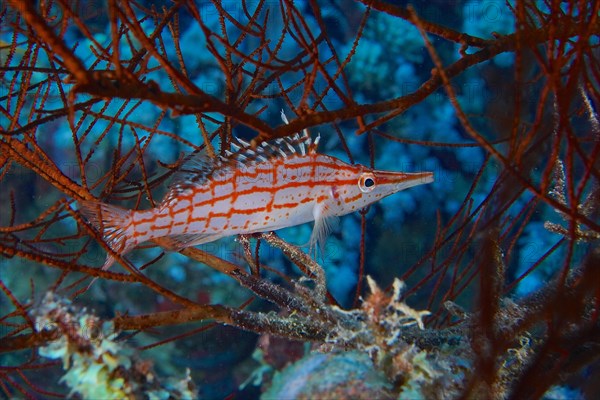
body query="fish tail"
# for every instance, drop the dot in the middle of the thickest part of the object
(114, 223)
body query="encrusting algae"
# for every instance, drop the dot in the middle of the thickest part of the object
(96, 364)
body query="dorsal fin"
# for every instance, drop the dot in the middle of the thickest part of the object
(198, 168)
(303, 141)
(195, 170)
(244, 153)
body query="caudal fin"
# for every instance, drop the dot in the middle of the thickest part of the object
(113, 223)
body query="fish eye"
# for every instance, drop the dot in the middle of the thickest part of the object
(366, 182)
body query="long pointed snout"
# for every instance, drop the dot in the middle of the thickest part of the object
(403, 180)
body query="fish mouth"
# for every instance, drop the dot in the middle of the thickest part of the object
(403, 180)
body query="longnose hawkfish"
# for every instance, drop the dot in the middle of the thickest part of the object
(276, 184)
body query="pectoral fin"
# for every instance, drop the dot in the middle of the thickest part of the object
(325, 221)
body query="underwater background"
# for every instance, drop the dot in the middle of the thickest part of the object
(434, 238)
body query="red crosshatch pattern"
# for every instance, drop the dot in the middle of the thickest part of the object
(281, 184)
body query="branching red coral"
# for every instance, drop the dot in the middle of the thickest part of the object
(84, 110)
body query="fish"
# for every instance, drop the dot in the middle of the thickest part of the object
(276, 184)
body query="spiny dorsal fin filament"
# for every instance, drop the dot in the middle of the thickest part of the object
(197, 168)
(284, 118)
